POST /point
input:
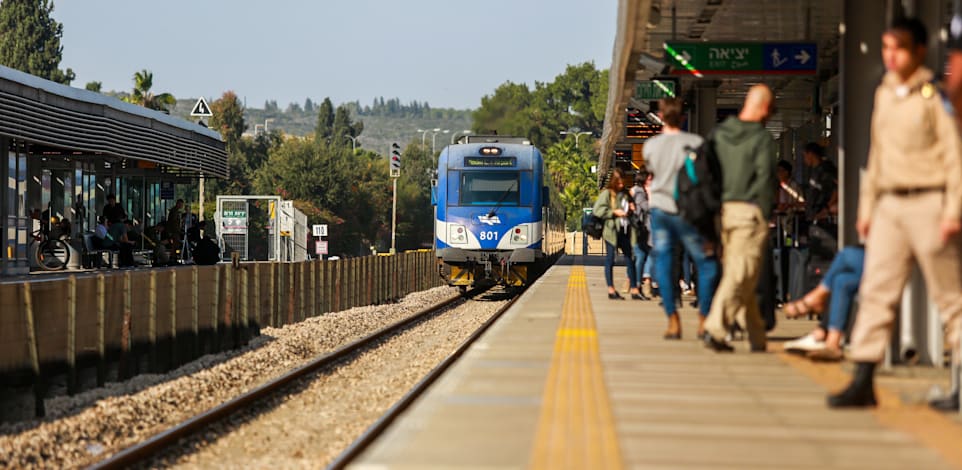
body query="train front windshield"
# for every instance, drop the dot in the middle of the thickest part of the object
(487, 188)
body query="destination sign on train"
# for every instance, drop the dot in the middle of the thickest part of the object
(490, 161)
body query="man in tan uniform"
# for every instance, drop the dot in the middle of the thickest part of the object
(910, 206)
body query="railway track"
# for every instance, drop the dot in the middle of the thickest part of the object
(379, 427)
(167, 441)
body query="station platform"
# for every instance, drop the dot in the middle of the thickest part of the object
(570, 379)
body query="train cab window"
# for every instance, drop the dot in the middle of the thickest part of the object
(485, 188)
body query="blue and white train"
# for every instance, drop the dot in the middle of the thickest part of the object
(498, 219)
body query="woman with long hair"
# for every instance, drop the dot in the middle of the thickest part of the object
(612, 206)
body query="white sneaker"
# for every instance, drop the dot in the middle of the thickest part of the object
(804, 344)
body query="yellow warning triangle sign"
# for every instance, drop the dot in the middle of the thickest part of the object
(201, 108)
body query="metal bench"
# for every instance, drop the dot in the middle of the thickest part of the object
(93, 257)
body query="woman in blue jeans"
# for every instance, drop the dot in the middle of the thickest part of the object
(612, 206)
(836, 291)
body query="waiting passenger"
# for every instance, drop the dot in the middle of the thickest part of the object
(112, 211)
(100, 240)
(641, 246)
(206, 252)
(836, 292)
(612, 207)
(175, 221)
(117, 232)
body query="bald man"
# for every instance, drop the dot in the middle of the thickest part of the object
(746, 153)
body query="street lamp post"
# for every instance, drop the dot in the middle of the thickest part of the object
(434, 137)
(423, 133)
(353, 142)
(459, 134)
(577, 134)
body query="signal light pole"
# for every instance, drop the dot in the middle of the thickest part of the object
(395, 156)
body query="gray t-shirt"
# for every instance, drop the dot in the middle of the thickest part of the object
(664, 156)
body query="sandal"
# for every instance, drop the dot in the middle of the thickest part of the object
(799, 308)
(826, 355)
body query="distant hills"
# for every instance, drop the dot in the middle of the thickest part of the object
(385, 121)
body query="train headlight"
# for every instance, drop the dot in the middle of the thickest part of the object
(520, 235)
(457, 234)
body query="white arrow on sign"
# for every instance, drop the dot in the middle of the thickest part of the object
(803, 57)
(777, 59)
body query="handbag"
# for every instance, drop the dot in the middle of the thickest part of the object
(594, 226)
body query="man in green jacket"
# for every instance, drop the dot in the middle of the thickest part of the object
(746, 154)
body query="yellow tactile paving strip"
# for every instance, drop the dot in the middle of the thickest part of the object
(576, 428)
(932, 429)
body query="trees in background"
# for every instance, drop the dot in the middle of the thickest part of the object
(30, 39)
(350, 192)
(570, 170)
(574, 101)
(141, 94)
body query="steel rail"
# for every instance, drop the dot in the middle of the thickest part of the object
(381, 425)
(145, 449)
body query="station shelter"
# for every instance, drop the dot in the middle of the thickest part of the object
(68, 148)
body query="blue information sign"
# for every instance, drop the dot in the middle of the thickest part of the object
(798, 57)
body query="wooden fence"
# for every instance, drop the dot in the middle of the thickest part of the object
(124, 323)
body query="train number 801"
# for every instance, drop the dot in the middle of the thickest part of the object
(488, 235)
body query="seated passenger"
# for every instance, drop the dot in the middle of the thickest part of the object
(158, 240)
(100, 241)
(206, 252)
(117, 232)
(60, 229)
(836, 291)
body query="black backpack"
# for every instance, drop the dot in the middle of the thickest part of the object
(593, 225)
(699, 190)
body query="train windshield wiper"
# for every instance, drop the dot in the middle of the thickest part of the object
(497, 205)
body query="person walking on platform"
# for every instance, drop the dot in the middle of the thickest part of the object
(914, 167)
(665, 155)
(746, 155)
(612, 207)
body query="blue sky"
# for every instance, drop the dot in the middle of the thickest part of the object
(449, 53)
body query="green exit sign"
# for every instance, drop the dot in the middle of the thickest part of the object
(655, 90)
(234, 214)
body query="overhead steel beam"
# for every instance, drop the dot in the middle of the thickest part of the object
(630, 41)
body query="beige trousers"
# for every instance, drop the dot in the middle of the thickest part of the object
(905, 229)
(744, 235)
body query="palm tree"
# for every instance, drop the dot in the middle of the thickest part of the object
(142, 96)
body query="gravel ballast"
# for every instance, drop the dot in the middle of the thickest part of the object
(85, 428)
(308, 427)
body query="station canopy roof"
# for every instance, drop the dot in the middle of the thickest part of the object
(74, 120)
(645, 25)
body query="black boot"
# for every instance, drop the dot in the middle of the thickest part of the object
(860, 393)
(949, 402)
